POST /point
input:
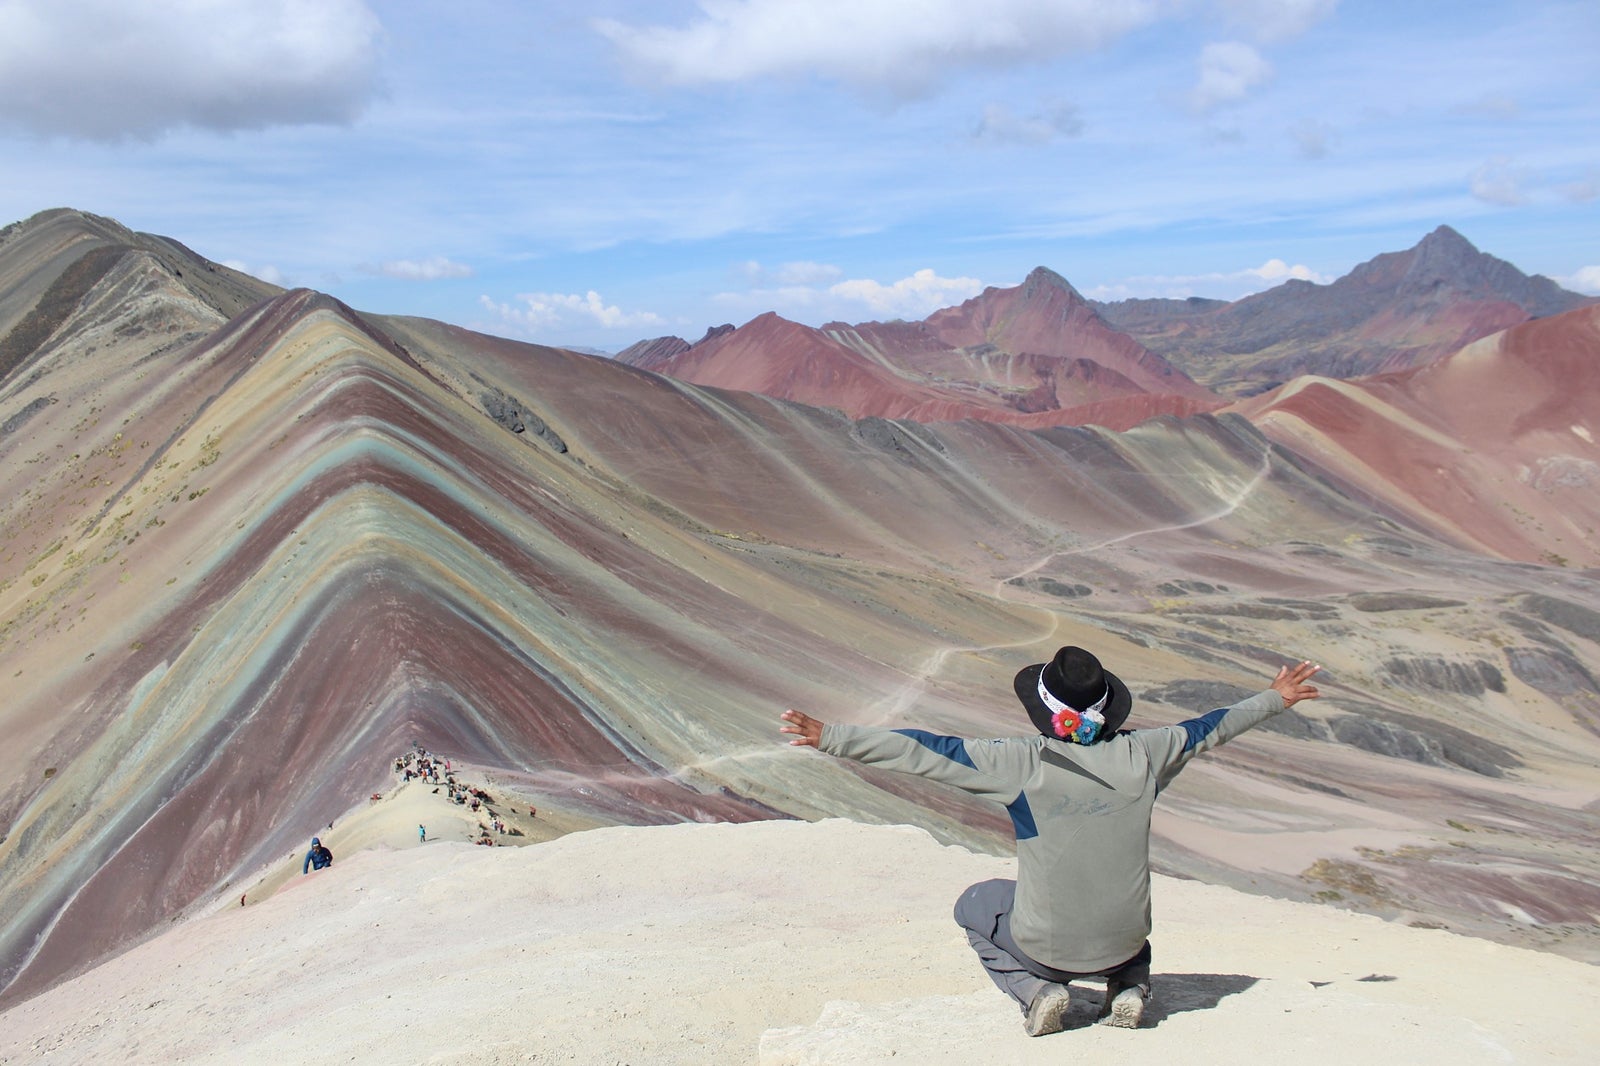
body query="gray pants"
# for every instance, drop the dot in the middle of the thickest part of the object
(984, 911)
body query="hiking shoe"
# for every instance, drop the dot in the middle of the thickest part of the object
(1124, 1007)
(1048, 1012)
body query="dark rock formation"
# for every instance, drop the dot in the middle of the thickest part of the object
(1554, 673)
(1051, 587)
(1575, 619)
(1292, 723)
(1441, 675)
(1187, 587)
(904, 440)
(1199, 695)
(513, 415)
(16, 421)
(1559, 675)
(1379, 602)
(1419, 740)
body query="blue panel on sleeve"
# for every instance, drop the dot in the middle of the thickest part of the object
(1022, 817)
(952, 748)
(1200, 728)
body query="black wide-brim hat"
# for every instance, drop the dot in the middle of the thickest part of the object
(1076, 678)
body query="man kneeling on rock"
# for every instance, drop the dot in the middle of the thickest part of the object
(1079, 794)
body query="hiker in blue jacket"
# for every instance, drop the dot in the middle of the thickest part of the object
(1079, 794)
(317, 858)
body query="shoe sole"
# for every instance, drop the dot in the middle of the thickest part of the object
(1126, 1013)
(1051, 1016)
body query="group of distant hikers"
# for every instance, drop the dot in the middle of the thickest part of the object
(419, 765)
(1079, 792)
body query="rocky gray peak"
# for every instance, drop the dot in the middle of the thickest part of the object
(1446, 256)
(1043, 278)
(1444, 259)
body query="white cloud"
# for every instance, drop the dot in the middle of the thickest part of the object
(1497, 181)
(1278, 270)
(1000, 125)
(434, 268)
(537, 312)
(917, 296)
(905, 46)
(269, 274)
(108, 70)
(1584, 280)
(855, 299)
(1228, 71)
(1276, 20)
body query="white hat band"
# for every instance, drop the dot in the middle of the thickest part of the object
(1092, 712)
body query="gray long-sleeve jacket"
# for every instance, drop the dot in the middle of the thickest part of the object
(1081, 815)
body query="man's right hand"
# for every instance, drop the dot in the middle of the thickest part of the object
(1291, 683)
(807, 730)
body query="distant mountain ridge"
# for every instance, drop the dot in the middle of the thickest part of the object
(1040, 354)
(1395, 311)
(1034, 355)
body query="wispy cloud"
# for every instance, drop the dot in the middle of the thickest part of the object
(1000, 125)
(1313, 139)
(109, 70)
(1491, 107)
(1583, 190)
(904, 47)
(784, 275)
(434, 268)
(1230, 285)
(1270, 21)
(1498, 181)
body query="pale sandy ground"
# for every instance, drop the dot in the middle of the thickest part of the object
(772, 943)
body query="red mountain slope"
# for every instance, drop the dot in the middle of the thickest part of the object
(1493, 446)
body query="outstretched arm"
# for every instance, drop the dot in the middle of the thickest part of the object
(991, 769)
(1291, 683)
(806, 729)
(1173, 746)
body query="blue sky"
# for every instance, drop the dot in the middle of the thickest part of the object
(593, 174)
